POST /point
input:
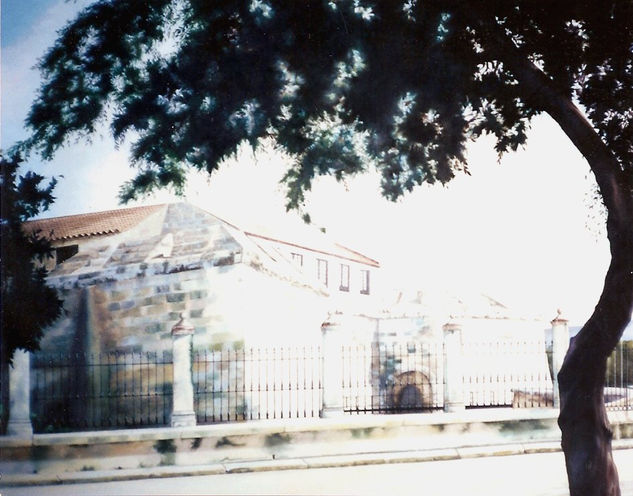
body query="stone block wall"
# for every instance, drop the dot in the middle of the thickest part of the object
(138, 314)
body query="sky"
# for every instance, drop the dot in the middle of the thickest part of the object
(524, 229)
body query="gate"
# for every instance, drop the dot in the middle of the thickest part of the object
(392, 378)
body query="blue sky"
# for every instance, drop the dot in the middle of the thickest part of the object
(88, 183)
(522, 230)
(16, 17)
(28, 28)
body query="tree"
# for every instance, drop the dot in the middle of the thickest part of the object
(28, 304)
(341, 84)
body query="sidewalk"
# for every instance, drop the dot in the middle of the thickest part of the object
(103, 456)
(377, 458)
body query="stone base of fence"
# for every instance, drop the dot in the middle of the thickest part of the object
(333, 412)
(280, 439)
(183, 419)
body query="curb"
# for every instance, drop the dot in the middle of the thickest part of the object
(293, 464)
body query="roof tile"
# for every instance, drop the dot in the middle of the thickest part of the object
(92, 224)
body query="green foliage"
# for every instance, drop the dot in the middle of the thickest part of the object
(340, 85)
(28, 304)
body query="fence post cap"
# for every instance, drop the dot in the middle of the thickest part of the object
(452, 324)
(559, 319)
(182, 328)
(333, 319)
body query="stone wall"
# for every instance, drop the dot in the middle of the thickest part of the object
(230, 307)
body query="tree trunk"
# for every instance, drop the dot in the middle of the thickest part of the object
(586, 434)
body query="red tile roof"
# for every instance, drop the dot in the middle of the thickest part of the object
(89, 225)
(115, 221)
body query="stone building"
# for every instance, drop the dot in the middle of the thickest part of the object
(127, 275)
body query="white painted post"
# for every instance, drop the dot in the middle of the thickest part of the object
(560, 345)
(183, 414)
(332, 367)
(20, 395)
(453, 369)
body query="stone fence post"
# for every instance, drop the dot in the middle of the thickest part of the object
(453, 368)
(560, 345)
(20, 395)
(332, 367)
(183, 414)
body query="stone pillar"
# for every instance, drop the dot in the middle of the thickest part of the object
(453, 368)
(332, 345)
(183, 414)
(560, 345)
(20, 395)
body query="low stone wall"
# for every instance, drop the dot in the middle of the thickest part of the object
(281, 439)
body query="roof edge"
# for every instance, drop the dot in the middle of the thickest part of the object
(370, 262)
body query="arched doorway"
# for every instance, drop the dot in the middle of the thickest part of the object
(412, 392)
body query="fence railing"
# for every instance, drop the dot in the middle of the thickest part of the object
(115, 390)
(618, 392)
(284, 382)
(409, 377)
(513, 373)
(103, 391)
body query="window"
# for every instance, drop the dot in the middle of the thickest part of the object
(297, 258)
(364, 282)
(63, 253)
(322, 270)
(344, 278)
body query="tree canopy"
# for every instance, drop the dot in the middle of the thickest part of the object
(342, 84)
(28, 304)
(338, 84)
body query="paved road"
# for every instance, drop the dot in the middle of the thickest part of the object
(522, 475)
